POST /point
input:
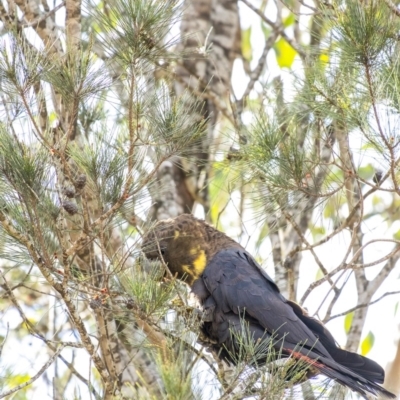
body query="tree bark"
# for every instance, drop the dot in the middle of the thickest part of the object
(392, 378)
(210, 32)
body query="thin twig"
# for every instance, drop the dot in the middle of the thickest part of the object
(42, 18)
(278, 28)
(362, 305)
(50, 343)
(206, 93)
(35, 377)
(389, 145)
(4, 339)
(393, 7)
(255, 74)
(345, 265)
(305, 241)
(73, 312)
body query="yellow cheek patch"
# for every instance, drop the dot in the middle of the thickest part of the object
(200, 262)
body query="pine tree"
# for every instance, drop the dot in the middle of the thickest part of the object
(112, 119)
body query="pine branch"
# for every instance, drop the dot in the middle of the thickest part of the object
(41, 371)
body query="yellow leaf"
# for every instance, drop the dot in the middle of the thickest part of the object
(348, 320)
(324, 57)
(247, 51)
(376, 200)
(16, 380)
(52, 117)
(396, 236)
(285, 53)
(367, 343)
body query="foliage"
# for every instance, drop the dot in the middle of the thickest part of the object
(110, 120)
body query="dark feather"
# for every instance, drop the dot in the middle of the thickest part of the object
(367, 368)
(233, 288)
(239, 298)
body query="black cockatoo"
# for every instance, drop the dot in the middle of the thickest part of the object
(232, 287)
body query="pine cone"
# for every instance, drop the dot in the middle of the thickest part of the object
(70, 207)
(80, 181)
(130, 304)
(95, 304)
(377, 176)
(147, 40)
(69, 191)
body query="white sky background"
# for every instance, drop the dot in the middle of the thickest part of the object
(381, 319)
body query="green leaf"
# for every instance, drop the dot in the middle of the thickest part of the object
(396, 236)
(247, 51)
(348, 320)
(285, 53)
(376, 200)
(319, 275)
(263, 234)
(263, 5)
(366, 172)
(289, 20)
(266, 30)
(317, 231)
(373, 146)
(329, 210)
(223, 174)
(367, 343)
